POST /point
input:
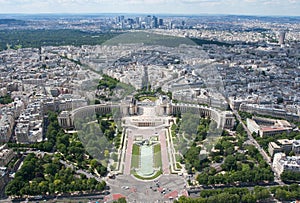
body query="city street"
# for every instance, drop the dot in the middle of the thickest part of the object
(146, 191)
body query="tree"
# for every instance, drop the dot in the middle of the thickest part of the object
(240, 129)
(248, 198)
(281, 194)
(102, 170)
(279, 100)
(43, 187)
(94, 163)
(114, 156)
(14, 187)
(223, 198)
(202, 178)
(192, 157)
(252, 151)
(6, 99)
(51, 168)
(287, 176)
(229, 163)
(101, 186)
(62, 148)
(121, 200)
(47, 146)
(261, 193)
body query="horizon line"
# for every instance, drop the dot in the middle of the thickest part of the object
(149, 13)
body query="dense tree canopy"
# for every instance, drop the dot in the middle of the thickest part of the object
(48, 176)
(245, 195)
(290, 176)
(5, 99)
(38, 38)
(238, 195)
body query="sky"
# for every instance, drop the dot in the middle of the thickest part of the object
(244, 7)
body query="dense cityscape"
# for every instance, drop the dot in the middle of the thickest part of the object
(149, 108)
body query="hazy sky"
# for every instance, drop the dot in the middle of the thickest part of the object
(247, 7)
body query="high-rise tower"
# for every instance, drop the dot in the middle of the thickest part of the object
(281, 37)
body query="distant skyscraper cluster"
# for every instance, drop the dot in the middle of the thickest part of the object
(146, 22)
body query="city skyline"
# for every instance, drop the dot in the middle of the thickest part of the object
(105, 100)
(188, 7)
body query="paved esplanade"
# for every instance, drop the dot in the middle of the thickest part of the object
(144, 127)
(146, 191)
(150, 128)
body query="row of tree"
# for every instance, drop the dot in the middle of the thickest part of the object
(290, 176)
(286, 193)
(245, 195)
(248, 175)
(233, 195)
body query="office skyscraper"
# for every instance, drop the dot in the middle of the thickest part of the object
(160, 22)
(281, 37)
(154, 22)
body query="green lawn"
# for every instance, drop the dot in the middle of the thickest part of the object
(135, 156)
(149, 39)
(157, 156)
(151, 98)
(178, 165)
(158, 173)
